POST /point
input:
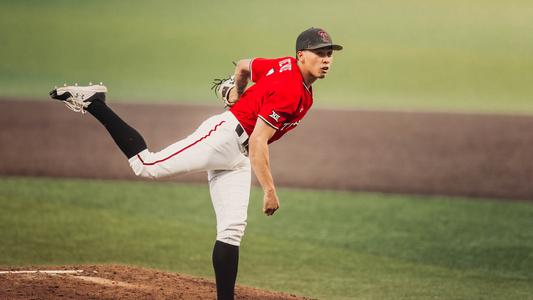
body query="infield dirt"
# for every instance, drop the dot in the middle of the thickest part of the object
(469, 155)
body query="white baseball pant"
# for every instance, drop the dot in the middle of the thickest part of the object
(214, 147)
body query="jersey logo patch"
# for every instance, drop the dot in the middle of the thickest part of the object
(274, 116)
(270, 72)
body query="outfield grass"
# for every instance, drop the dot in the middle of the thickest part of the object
(323, 244)
(452, 55)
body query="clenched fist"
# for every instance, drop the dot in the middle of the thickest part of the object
(270, 203)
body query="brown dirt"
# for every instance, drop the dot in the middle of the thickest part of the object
(395, 152)
(118, 282)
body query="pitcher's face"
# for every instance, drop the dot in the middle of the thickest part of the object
(316, 62)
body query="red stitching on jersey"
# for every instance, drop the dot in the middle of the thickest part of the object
(181, 150)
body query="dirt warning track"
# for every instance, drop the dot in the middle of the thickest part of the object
(397, 152)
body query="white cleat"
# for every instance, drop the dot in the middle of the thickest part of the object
(77, 98)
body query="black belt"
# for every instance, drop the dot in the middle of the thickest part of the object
(239, 130)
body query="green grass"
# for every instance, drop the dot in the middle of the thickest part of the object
(444, 55)
(323, 244)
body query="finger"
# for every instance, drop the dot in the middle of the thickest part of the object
(270, 211)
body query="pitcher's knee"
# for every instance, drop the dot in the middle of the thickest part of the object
(145, 172)
(232, 234)
(141, 168)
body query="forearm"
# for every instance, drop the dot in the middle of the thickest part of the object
(242, 73)
(260, 160)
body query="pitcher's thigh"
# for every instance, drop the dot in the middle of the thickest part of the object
(176, 159)
(197, 152)
(230, 194)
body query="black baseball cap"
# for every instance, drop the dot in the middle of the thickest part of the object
(315, 38)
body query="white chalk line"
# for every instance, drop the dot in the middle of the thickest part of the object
(97, 280)
(42, 271)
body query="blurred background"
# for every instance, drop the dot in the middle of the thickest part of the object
(431, 103)
(427, 55)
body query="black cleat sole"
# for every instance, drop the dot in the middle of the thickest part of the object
(62, 97)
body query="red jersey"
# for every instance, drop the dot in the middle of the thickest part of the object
(279, 96)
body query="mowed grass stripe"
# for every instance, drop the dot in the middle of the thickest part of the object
(324, 244)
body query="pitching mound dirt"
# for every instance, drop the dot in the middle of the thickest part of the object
(116, 282)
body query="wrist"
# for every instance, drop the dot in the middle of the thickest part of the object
(269, 190)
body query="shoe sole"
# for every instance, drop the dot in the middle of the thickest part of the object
(100, 93)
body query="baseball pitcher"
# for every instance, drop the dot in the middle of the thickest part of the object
(228, 145)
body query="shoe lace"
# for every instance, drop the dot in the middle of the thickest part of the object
(75, 104)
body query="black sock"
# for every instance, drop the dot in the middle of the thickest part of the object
(225, 263)
(126, 137)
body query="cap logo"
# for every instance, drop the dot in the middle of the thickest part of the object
(324, 36)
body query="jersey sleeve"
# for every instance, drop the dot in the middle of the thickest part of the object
(278, 107)
(261, 67)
